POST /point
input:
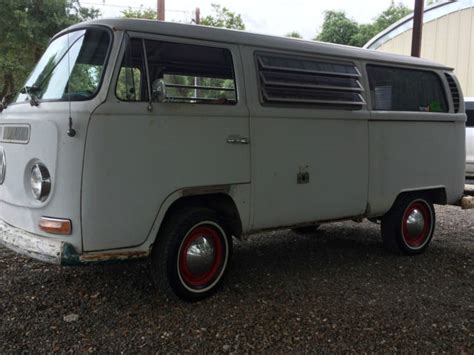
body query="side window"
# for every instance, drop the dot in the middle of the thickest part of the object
(470, 118)
(301, 81)
(399, 89)
(185, 73)
(132, 83)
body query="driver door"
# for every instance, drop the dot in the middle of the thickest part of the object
(194, 134)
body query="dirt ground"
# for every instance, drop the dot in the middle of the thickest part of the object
(334, 290)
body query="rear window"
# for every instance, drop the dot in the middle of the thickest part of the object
(399, 89)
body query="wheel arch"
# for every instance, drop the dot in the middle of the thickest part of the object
(220, 202)
(437, 195)
(217, 198)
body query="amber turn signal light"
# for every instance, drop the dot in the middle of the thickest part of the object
(56, 225)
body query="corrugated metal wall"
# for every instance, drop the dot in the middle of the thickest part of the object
(448, 40)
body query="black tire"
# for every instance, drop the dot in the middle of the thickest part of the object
(171, 266)
(409, 236)
(306, 229)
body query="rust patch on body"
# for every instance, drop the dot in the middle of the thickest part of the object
(104, 257)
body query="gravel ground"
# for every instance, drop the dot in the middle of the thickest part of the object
(335, 290)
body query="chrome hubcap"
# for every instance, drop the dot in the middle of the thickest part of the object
(200, 255)
(415, 223)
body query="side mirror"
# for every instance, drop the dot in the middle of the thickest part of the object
(158, 91)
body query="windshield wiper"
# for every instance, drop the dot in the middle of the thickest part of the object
(31, 91)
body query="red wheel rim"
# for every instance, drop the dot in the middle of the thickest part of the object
(412, 214)
(212, 238)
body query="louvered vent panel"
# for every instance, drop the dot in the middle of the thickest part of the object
(16, 134)
(454, 91)
(307, 81)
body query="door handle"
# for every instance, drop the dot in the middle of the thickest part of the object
(236, 139)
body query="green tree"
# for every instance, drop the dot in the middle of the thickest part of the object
(149, 14)
(294, 34)
(338, 28)
(364, 34)
(26, 27)
(391, 15)
(223, 17)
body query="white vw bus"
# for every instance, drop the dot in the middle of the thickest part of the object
(136, 138)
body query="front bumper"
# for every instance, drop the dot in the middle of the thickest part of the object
(59, 252)
(37, 247)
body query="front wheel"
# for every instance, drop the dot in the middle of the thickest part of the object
(409, 226)
(191, 255)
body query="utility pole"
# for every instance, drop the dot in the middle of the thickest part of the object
(160, 10)
(417, 28)
(198, 16)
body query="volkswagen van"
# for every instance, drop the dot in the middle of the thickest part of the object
(135, 139)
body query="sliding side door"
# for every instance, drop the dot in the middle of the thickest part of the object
(309, 134)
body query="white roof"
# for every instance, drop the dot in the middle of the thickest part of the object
(253, 39)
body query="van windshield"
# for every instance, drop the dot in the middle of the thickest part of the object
(70, 69)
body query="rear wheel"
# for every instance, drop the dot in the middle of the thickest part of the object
(191, 255)
(409, 226)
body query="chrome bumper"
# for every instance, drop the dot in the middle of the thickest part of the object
(32, 245)
(57, 251)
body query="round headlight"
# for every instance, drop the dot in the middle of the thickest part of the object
(3, 165)
(40, 182)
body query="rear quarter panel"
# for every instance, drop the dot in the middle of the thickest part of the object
(410, 151)
(410, 155)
